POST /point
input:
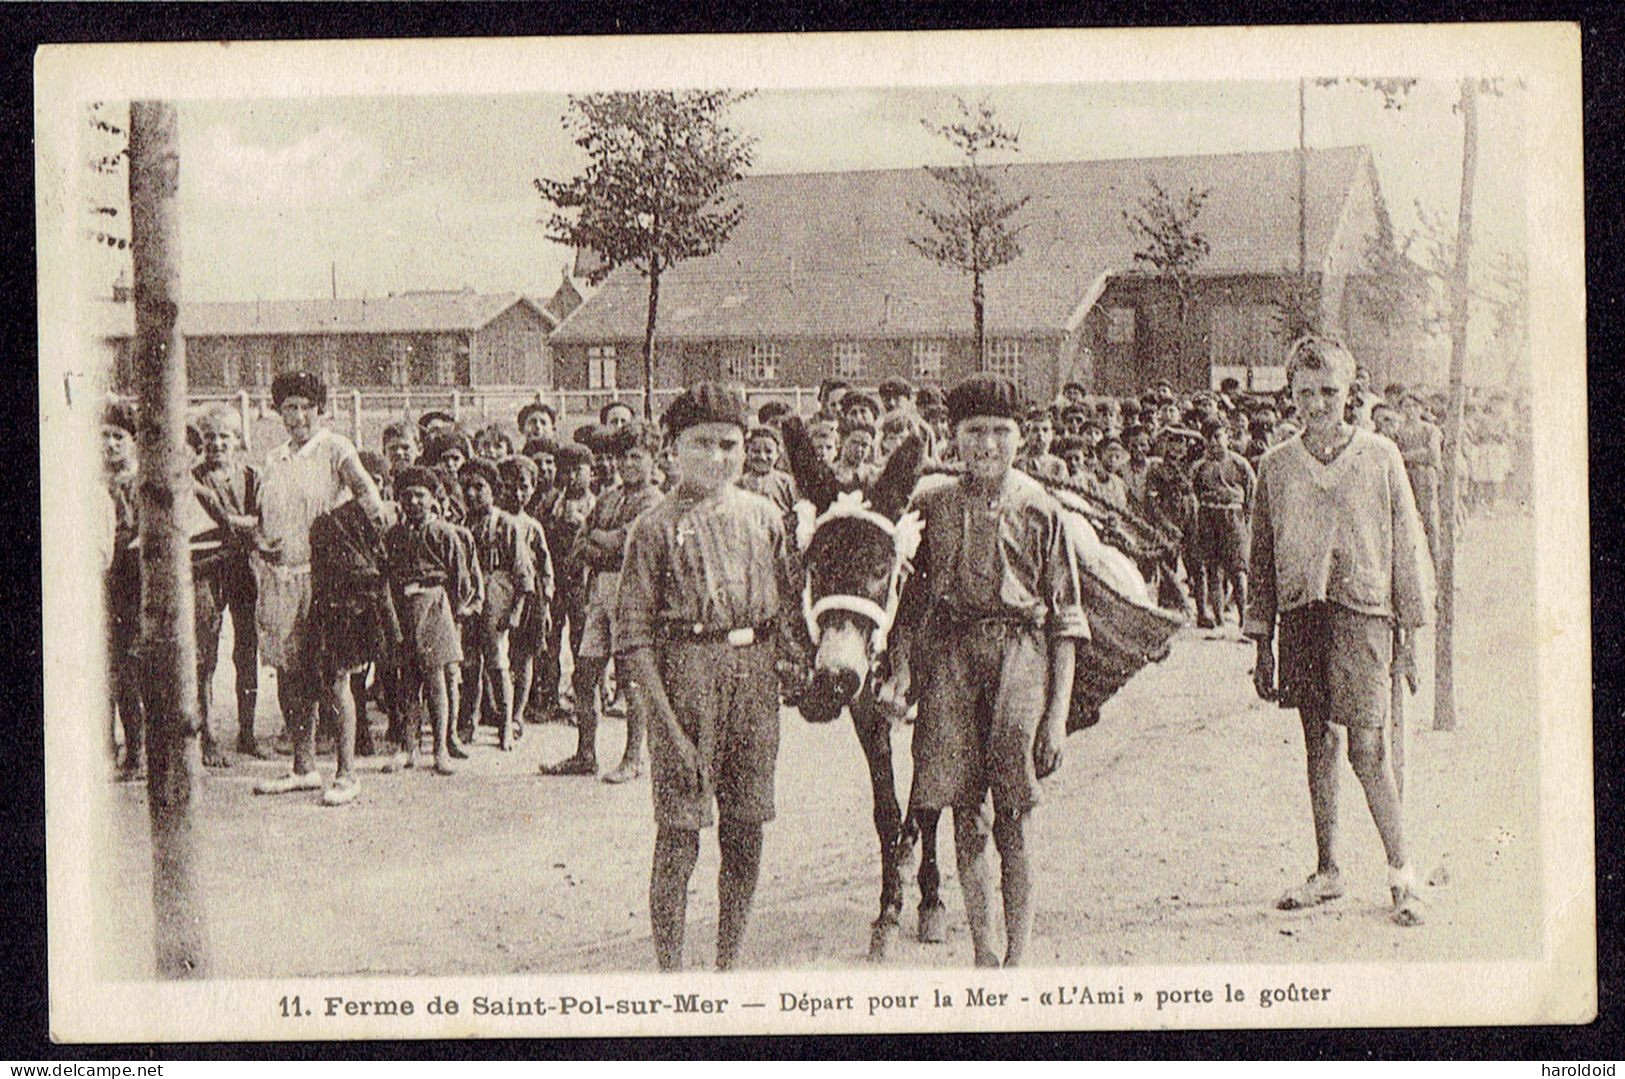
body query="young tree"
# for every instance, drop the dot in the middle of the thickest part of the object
(1170, 241)
(653, 190)
(971, 230)
(167, 634)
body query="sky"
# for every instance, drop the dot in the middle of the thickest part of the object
(283, 198)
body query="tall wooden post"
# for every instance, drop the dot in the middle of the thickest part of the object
(169, 647)
(1444, 681)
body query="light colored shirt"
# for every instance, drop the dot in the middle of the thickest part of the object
(296, 487)
(721, 562)
(1346, 532)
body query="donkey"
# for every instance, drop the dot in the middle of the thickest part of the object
(857, 547)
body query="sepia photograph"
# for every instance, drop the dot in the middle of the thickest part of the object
(839, 533)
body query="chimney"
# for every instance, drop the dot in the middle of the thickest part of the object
(885, 309)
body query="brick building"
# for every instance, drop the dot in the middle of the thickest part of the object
(448, 338)
(819, 279)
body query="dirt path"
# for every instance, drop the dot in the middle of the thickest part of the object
(1168, 831)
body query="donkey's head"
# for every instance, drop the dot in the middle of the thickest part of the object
(857, 551)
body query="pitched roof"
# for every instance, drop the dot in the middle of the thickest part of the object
(408, 312)
(822, 254)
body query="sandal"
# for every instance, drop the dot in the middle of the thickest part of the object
(1319, 888)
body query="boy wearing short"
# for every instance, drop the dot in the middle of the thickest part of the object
(707, 584)
(1340, 566)
(994, 610)
(503, 553)
(430, 578)
(598, 549)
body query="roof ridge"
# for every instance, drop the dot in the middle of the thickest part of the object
(1069, 162)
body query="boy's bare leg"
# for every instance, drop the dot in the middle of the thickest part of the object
(736, 885)
(1320, 741)
(364, 745)
(502, 690)
(1010, 833)
(524, 673)
(343, 708)
(970, 853)
(676, 851)
(436, 687)
(1240, 593)
(1368, 754)
(455, 702)
(637, 727)
(584, 762)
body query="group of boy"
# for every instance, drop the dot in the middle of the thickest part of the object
(690, 584)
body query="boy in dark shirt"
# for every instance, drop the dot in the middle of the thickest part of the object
(562, 520)
(429, 579)
(352, 619)
(504, 554)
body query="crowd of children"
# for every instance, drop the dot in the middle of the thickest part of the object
(444, 576)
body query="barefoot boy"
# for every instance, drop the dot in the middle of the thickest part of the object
(706, 584)
(997, 591)
(1340, 560)
(503, 552)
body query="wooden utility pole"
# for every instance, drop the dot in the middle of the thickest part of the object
(1303, 192)
(1444, 681)
(169, 647)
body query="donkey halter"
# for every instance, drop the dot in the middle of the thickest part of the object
(905, 536)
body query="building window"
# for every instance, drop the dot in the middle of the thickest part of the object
(1120, 325)
(230, 372)
(1004, 358)
(760, 363)
(400, 363)
(848, 359)
(446, 356)
(262, 369)
(601, 370)
(927, 364)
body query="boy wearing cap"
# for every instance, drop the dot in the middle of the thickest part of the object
(235, 486)
(503, 554)
(598, 549)
(1339, 562)
(993, 611)
(708, 585)
(430, 578)
(312, 473)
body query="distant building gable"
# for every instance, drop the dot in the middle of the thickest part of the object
(828, 254)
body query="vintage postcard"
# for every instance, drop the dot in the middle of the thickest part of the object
(1043, 530)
